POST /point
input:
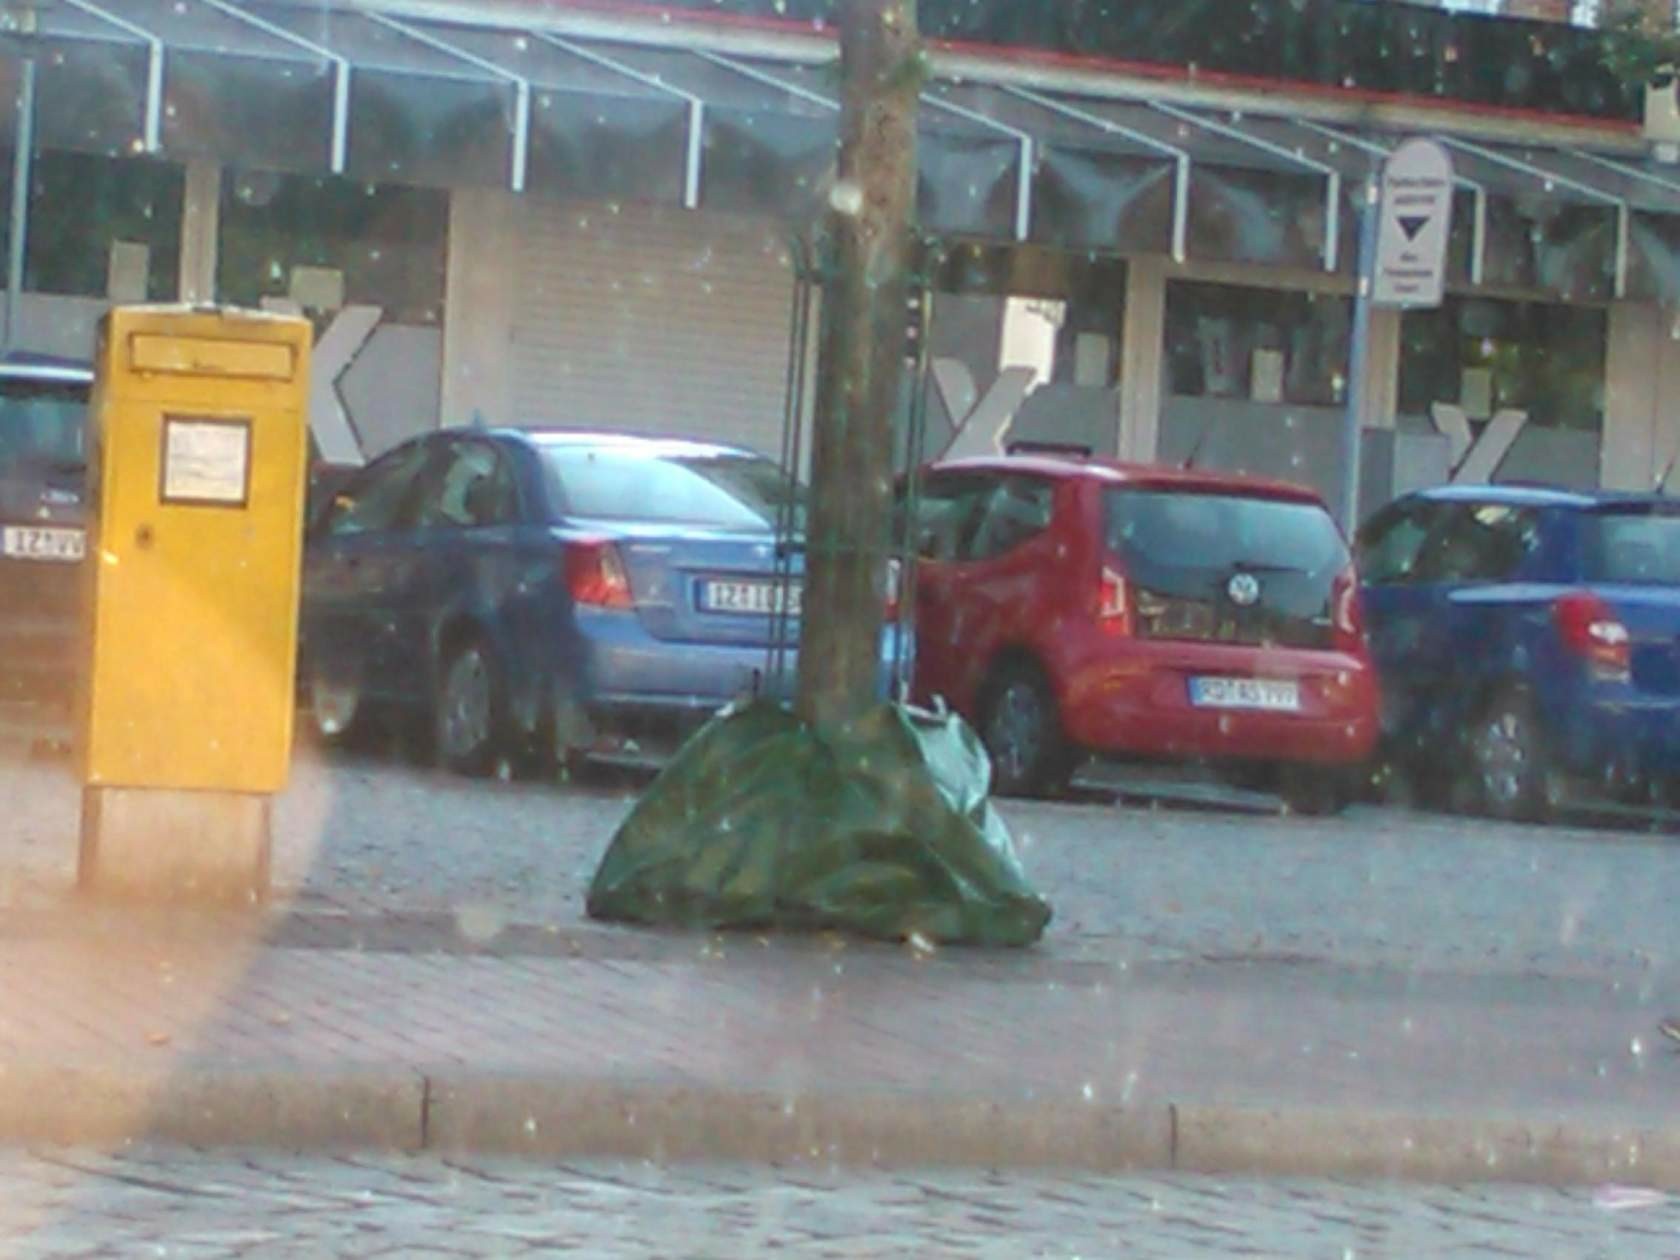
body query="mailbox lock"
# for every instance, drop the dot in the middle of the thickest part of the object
(143, 536)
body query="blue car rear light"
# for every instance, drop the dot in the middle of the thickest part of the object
(1591, 631)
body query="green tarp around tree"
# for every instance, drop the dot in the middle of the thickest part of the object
(882, 828)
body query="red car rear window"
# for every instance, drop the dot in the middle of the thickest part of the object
(1180, 550)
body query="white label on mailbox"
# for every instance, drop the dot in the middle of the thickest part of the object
(206, 461)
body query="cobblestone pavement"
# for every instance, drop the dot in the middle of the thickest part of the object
(188, 1206)
(1380, 887)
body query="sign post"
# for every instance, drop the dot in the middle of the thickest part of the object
(1405, 218)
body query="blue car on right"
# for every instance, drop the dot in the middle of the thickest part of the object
(1527, 641)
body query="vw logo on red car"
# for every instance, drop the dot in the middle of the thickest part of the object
(1244, 590)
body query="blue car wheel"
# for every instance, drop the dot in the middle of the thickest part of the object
(1513, 774)
(469, 710)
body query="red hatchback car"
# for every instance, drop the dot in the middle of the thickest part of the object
(1070, 606)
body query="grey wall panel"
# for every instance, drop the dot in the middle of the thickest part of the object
(1069, 414)
(651, 319)
(1297, 444)
(391, 388)
(1563, 457)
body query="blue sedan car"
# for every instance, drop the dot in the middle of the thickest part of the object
(1528, 643)
(554, 594)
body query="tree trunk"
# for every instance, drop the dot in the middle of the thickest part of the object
(861, 361)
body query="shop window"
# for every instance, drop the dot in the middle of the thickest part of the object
(1228, 341)
(1486, 356)
(1088, 342)
(325, 242)
(1058, 313)
(1062, 314)
(80, 205)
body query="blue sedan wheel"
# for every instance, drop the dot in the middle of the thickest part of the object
(468, 711)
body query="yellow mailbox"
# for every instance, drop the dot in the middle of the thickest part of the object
(198, 455)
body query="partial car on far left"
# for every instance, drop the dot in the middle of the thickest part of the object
(43, 474)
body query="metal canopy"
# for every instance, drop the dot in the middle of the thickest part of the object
(419, 99)
(521, 89)
(765, 141)
(946, 130)
(1125, 161)
(1236, 196)
(1024, 173)
(1561, 187)
(230, 81)
(694, 105)
(419, 110)
(115, 27)
(340, 142)
(1332, 176)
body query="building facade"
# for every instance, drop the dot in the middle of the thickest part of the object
(591, 213)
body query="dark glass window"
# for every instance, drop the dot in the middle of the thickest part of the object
(389, 242)
(473, 488)
(1018, 510)
(949, 515)
(81, 203)
(1229, 341)
(1222, 532)
(1488, 355)
(1390, 542)
(1090, 287)
(1224, 567)
(381, 497)
(1634, 547)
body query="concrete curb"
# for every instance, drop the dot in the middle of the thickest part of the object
(569, 1118)
(459, 1111)
(213, 1105)
(1464, 1147)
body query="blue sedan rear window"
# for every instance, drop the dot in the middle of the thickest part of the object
(707, 491)
(1637, 547)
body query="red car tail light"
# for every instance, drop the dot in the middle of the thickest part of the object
(1347, 613)
(1591, 631)
(595, 574)
(1114, 608)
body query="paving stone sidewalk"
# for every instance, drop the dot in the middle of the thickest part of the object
(162, 1002)
(276, 1206)
(1381, 993)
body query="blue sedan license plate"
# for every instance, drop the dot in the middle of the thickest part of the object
(747, 597)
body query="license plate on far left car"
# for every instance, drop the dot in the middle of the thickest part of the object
(1264, 694)
(42, 542)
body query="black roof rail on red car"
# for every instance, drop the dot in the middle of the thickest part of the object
(1049, 448)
